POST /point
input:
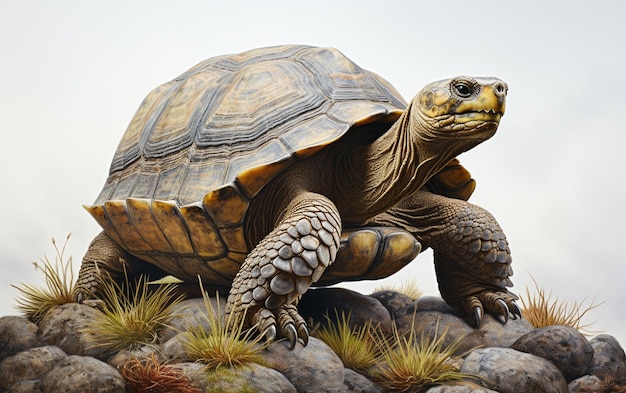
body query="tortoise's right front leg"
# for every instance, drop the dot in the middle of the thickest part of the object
(283, 266)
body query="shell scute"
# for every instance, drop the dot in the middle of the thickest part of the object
(226, 206)
(117, 215)
(167, 216)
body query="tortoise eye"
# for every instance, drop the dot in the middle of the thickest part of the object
(463, 89)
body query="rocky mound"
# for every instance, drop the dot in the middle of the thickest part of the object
(55, 355)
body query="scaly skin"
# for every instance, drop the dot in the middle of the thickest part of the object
(472, 255)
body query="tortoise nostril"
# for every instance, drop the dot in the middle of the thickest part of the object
(500, 88)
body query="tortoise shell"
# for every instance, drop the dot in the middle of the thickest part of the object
(203, 145)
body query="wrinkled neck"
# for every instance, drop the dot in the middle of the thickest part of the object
(394, 166)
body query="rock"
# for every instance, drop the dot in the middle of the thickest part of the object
(314, 368)
(433, 316)
(608, 359)
(63, 326)
(431, 303)
(16, 334)
(249, 378)
(354, 382)
(196, 373)
(82, 374)
(321, 302)
(31, 386)
(30, 364)
(122, 357)
(393, 301)
(563, 346)
(464, 388)
(174, 350)
(586, 384)
(189, 313)
(506, 370)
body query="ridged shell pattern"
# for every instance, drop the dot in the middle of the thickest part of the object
(201, 146)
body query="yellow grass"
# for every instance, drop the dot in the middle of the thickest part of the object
(408, 287)
(131, 317)
(225, 342)
(354, 346)
(541, 310)
(33, 301)
(408, 363)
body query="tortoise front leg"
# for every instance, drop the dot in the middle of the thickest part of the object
(472, 255)
(283, 266)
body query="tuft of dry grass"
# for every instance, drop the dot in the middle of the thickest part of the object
(408, 288)
(150, 375)
(225, 342)
(33, 301)
(131, 317)
(541, 310)
(355, 346)
(408, 363)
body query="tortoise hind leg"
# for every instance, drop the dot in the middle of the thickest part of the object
(106, 259)
(472, 255)
(283, 266)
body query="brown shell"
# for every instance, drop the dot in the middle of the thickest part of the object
(202, 146)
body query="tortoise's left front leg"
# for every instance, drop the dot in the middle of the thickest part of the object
(472, 255)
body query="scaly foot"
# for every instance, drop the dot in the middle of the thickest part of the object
(284, 321)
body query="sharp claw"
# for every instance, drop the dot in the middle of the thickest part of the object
(79, 297)
(504, 309)
(303, 334)
(292, 335)
(515, 310)
(270, 334)
(478, 316)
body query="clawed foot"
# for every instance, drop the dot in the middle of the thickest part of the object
(496, 303)
(284, 321)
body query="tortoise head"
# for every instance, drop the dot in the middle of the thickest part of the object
(464, 108)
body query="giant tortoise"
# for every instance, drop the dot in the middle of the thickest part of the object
(245, 170)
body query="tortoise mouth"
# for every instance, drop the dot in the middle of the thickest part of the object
(490, 115)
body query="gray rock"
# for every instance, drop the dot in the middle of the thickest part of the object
(249, 378)
(430, 303)
(393, 301)
(122, 357)
(433, 316)
(509, 371)
(586, 384)
(190, 313)
(31, 386)
(82, 374)
(321, 302)
(311, 369)
(196, 373)
(354, 382)
(563, 346)
(464, 388)
(63, 326)
(16, 334)
(30, 364)
(608, 359)
(174, 349)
